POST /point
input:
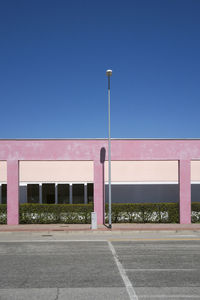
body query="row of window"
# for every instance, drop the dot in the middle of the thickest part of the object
(51, 193)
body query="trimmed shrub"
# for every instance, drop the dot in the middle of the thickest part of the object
(3, 213)
(81, 213)
(144, 213)
(55, 213)
(195, 216)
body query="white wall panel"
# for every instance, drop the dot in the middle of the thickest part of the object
(142, 171)
(3, 171)
(60, 171)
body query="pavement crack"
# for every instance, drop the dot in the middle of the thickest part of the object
(57, 294)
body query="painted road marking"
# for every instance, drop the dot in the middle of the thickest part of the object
(155, 270)
(48, 241)
(128, 284)
(169, 296)
(154, 239)
(101, 240)
(183, 235)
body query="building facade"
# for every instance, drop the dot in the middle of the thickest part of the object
(75, 171)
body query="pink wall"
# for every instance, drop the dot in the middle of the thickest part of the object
(90, 149)
(14, 151)
(12, 192)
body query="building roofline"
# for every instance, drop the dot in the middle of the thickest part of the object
(79, 139)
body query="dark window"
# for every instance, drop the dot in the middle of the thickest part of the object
(90, 187)
(4, 193)
(33, 193)
(48, 193)
(78, 193)
(63, 193)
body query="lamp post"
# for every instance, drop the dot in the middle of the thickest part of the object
(109, 73)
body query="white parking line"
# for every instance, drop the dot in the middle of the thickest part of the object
(128, 284)
(183, 235)
(169, 296)
(154, 270)
(48, 241)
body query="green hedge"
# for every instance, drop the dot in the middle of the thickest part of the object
(55, 213)
(51, 213)
(195, 212)
(3, 214)
(81, 213)
(144, 213)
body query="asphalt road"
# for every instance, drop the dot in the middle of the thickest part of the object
(92, 269)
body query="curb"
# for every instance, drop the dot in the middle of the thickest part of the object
(71, 228)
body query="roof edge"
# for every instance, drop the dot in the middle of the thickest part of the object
(91, 139)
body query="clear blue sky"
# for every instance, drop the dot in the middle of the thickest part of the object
(53, 58)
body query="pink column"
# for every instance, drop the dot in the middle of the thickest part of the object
(12, 192)
(99, 192)
(184, 192)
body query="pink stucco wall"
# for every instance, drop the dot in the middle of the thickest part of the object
(13, 192)
(14, 151)
(184, 191)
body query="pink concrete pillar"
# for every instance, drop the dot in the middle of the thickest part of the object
(12, 192)
(99, 191)
(184, 192)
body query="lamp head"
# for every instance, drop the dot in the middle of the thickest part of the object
(109, 72)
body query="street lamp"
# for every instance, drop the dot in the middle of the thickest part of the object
(109, 73)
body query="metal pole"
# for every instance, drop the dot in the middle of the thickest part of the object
(109, 73)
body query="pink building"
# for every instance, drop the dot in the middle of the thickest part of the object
(75, 171)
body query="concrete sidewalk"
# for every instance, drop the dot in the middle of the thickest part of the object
(119, 227)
